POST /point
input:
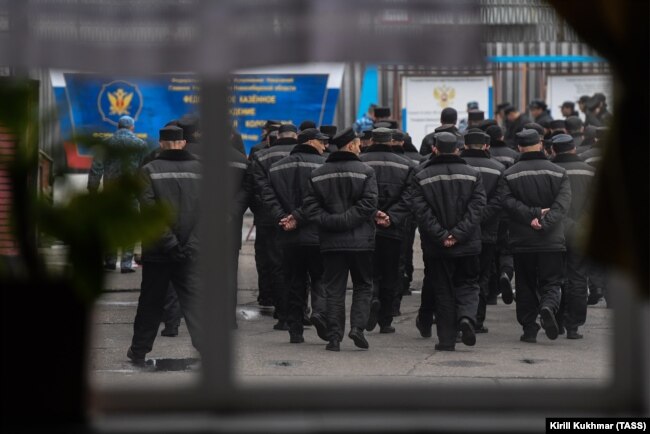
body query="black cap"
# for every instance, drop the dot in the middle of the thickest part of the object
(503, 105)
(382, 112)
(534, 126)
(382, 135)
(343, 138)
(601, 132)
(287, 128)
(573, 123)
(306, 124)
(273, 127)
(172, 123)
(311, 134)
(509, 109)
(446, 142)
(449, 115)
(477, 138)
(366, 135)
(487, 123)
(398, 135)
(495, 132)
(190, 125)
(562, 143)
(569, 104)
(592, 103)
(269, 123)
(472, 105)
(477, 115)
(558, 124)
(584, 98)
(171, 134)
(528, 138)
(329, 130)
(537, 103)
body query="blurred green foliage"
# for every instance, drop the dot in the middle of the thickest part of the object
(90, 225)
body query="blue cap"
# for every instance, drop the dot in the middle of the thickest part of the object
(125, 122)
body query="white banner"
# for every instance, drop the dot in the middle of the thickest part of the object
(424, 98)
(560, 88)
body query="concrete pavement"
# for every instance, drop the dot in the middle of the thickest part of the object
(264, 356)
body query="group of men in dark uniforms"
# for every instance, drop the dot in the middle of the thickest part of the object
(349, 203)
(330, 205)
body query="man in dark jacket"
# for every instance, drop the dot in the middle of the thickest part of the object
(515, 122)
(268, 127)
(537, 196)
(174, 179)
(595, 153)
(575, 129)
(448, 119)
(476, 155)
(301, 253)
(574, 295)
(540, 113)
(392, 173)
(448, 199)
(503, 256)
(268, 253)
(342, 201)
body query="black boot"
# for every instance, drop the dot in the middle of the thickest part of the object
(573, 334)
(548, 323)
(356, 334)
(506, 288)
(425, 332)
(467, 332)
(333, 345)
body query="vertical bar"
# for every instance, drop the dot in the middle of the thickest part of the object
(216, 240)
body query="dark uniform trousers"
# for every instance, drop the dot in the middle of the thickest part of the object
(303, 264)
(537, 273)
(172, 310)
(156, 277)
(486, 263)
(406, 260)
(503, 262)
(385, 281)
(336, 266)
(268, 259)
(455, 291)
(427, 301)
(573, 305)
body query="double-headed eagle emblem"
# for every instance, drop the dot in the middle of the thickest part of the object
(444, 95)
(120, 102)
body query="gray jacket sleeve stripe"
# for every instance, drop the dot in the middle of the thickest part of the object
(580, 172)
(293, 165)
(438, 178)
(388, 164)
(534, 173)
(489, 170)
(508, 159)
(339, 175)
(273, 154)
(593, 159)
(176, 175)
(238, 165)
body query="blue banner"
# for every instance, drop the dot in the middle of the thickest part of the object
(91, 104)
(288, 98)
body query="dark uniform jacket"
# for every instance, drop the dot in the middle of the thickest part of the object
(502, 153)
(592, 156)
(342, 201)
(544, 119)
(262, 161)
(580, 176)
(256, 148)
(448, 197)
(290, 182)
(491, 171)
(528, 186)
(174, 179)
(242, 190)
(513, 128)
(392, 172)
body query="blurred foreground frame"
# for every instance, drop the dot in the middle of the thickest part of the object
(209, 38)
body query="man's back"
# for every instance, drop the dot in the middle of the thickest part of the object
(533, 184)
(124, 154)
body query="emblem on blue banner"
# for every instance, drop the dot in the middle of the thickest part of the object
(119, 98)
